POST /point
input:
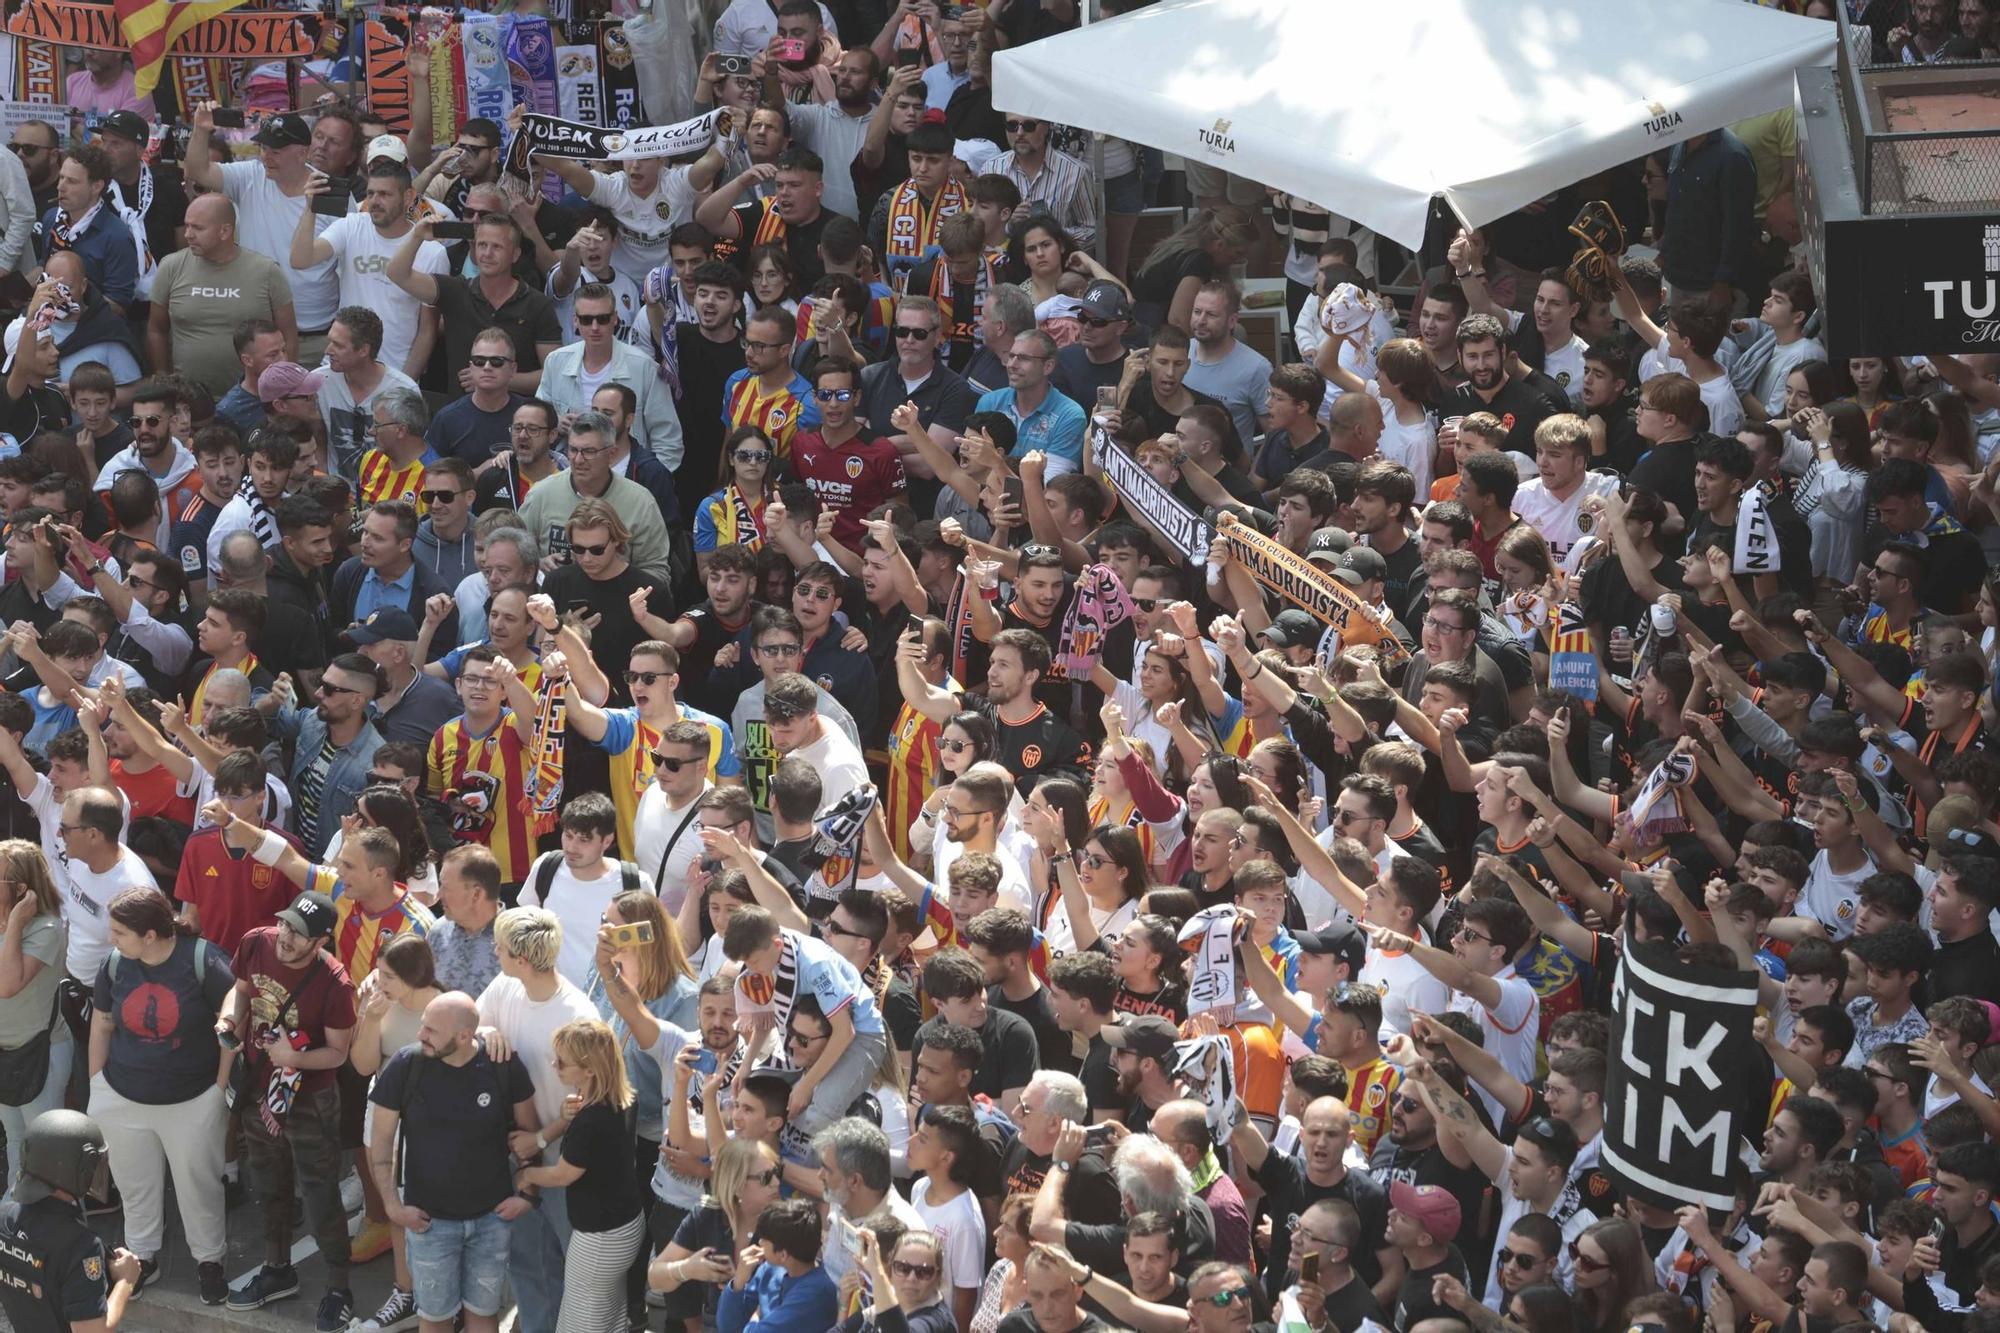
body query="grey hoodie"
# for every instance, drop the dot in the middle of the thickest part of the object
(451, 560)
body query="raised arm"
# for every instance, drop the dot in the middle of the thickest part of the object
(307, 247)
(718, 211)
(402, 268)
(199, 165)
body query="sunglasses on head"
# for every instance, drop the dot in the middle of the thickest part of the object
(834, 395)
(578, 548)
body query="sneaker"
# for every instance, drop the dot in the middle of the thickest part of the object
(265, 1285)
(371, 1242)
(336, 1310)
(149, 1273)
(399, 1311)
(214, 1286)
(351, 1197)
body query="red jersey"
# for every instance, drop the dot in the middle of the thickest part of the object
(231, 893)
(154, 792)
(317, 995)
(850, 479)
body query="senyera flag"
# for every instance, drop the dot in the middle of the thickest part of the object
(151, 27)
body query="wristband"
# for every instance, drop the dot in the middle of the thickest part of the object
(1258, 672)
(270, 850)
(1088, 1273)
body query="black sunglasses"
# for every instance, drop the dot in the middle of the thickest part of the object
(490, 362)
(1030, 125)
(672, 763)
(578, 548)
(1083, 317)
(384, 780)
(905, 331)
(596, 319)
(439, 497)
(645, 677)
(1504, 1256)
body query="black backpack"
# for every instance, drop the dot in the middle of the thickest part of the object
(545, 876)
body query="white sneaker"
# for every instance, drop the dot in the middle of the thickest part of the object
(399, 1311)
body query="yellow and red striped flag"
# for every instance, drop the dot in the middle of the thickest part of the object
(151, 27)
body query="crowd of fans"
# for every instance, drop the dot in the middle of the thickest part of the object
(639, 754)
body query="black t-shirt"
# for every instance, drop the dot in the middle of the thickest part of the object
(1141, 406)
(1413, 1298)
(1100, 1078)
(1052, 1044)
(40, 408)
(903, 1012)
(1153, 290)
(1391, 1162)
(74, 1287)
(454, 1121)
(1516, 399)
(606, 1196)
(107, 446)
(1289, 1193)
(711, 631)
(1090, 1196)
(1608, 599)
(1024, 1321)
(705, 367)
(617, 634)
(1080, 378)
(801, 241)
(1043, 746)
(164, 211)
(1010, 1052)
(707, 1227)
(1353, 1305)
(1667, 470)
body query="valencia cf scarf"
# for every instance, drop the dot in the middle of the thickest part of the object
(1101, 605)
(1572, 662)
(913, 229)
(542, 790)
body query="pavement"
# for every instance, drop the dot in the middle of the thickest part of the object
(173, 1304)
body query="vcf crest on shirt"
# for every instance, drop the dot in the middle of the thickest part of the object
(1031, 755)
(854, 466)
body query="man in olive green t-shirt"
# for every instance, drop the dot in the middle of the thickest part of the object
(202, 293)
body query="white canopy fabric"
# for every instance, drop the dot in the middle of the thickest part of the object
(1371, 107)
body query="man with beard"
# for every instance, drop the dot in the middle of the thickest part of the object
(157, 196)
(528, 461)
(302, 1144)
(1294, 1185)
(1553, 346)
(1153, 395)
(1482, 355)
(1033, 740)
(333, 745)
(1224, 366)
(270, 197)
(703, 629)
(153, 450)
(835, 129)
(297, 576)
(360, 245)
(1050, 181)
(39, 147)
(1411, 1155)
(1097, 359)
(203, 293)
(793, 217)
(347, 394)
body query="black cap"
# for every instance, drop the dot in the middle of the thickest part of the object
(389, 623)
(283, 131)
(1342, 939)
(1106, 300)
(126, 125)
(1142, 1034)
(312, 915)
(1327, 545)
(1293, 628)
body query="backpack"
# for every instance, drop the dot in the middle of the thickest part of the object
(545, 875)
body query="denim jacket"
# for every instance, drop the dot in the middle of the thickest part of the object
(345, 776)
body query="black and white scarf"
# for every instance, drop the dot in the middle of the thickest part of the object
(63, 235)
(263, 523)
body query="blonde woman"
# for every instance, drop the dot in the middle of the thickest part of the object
(595, 1171)
(31, 957)
(907, 1290)
(703, 1252)
(391, 1003)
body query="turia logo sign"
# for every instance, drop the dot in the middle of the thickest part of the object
(1972, 300)
(1663, 121)
(1217, 139)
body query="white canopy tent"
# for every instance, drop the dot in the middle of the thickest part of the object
(1372, 107)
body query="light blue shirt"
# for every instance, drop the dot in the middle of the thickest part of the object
(376, 592)
(1055, 427)
(832, 980)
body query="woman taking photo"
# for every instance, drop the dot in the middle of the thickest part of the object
(652, 976)
(702, 1254)
(157, 1091)
(32, 1034)
(1100, 890)
(734, 515)
(1207, 246)
(594, 1171)
(907, 1291)
(1832, 496)
(391, 1003)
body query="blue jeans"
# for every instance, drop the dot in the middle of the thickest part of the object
(458, 1265)
(16, 1119)
(536, 1242)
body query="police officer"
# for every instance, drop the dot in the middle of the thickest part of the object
(52, 1266)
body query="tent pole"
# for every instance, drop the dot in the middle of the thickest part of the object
(1086, 12)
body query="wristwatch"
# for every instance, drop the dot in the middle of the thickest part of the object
(1064, 1167)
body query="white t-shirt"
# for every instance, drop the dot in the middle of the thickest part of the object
(266, 218)
(1414, 446)
(1834, 899)
(1016, 851)
(834, 1256)
(841, 767)
(1512, 1029)
(962, 1228)
(200, 789)
(1725, 406)
(42, 799)
(644, 223)
(1060, 938)
(530, 1028)
(1405, 985)
(88, 909)
(1564, 365)
(579, 904)
(653, 826)
(350, 425)
(1556, 519)
(361, 257)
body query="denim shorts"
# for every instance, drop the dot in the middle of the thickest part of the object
(1125, 194)
(458, 1265)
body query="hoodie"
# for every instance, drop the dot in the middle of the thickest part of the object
(128, 460)
(450, 560)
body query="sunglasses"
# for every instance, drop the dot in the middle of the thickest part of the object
(1093, 321)
(1504, 1256)
(1227, 1297)
(328, 687)
(645, 677)
(440, 497)
(955, 747)
(924, 1272)
(834, 395)
(384, 780)
(769, 1177)
(1147, 604)
(578, 548)
(1094, 860)
(672, 763)
(587, 320)
(1583, 1260)
(1015, 126)
(752, 455)
(494, 363)
(778, 650)
(905, 331)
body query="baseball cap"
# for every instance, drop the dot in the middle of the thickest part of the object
(15, 331)
(288, 379)
(126, 125)
(1292, 628)
(1431, 1207)
(389, 146)
(311, 915)
(1358, 564)
(1106, 300)
(1341, 939)
(283, 131)
(1143, 1035)
(388, 623)
(1326, 545)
